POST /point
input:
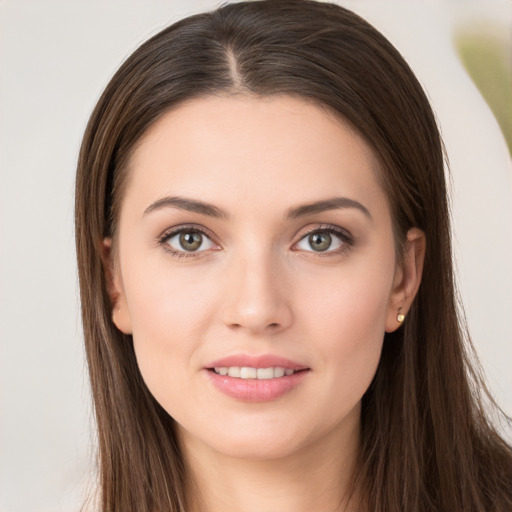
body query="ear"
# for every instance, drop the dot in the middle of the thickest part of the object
(115, 289)
(407, 279)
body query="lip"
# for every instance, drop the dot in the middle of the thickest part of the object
(255, 390)
(256, 361)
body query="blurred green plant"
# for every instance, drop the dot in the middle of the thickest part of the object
(485, 50)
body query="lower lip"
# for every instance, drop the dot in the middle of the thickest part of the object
(256, 390)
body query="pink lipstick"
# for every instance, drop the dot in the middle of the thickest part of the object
(253, 378)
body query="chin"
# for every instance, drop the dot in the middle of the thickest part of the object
(256, 443)
(259, 449)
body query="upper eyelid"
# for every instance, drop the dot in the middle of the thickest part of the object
(346, 238)
(170, 232)
(301, 234)
(326, 227)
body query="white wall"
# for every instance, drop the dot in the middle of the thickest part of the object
(55, 58)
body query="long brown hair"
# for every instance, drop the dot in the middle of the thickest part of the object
(426, 442)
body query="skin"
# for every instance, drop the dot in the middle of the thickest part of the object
(258, 286)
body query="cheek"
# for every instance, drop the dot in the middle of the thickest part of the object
(347, 318)
(169, 313)
(352, 301)
(352, 333)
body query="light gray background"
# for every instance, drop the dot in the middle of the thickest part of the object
(55, 58)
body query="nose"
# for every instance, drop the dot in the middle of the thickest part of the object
(256, 300)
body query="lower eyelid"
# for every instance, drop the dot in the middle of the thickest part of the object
(344, 237)
(204, 237)
(346, 241)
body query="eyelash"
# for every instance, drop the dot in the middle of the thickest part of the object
(165, 237)
(345, 237)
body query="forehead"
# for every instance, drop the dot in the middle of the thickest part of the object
(254, 153)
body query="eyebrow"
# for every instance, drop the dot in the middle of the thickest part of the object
(334, 203)
(190, 205)
(196, 206)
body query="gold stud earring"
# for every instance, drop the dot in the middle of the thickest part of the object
(400, 317)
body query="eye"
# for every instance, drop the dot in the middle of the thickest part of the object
(187, 240)
(324, 240)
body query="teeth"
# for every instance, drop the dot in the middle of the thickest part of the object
(265, 373)
(234, 371)
(246, 372)
(280, 372)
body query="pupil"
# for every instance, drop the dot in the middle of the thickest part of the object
(320, 241)
(191, 240)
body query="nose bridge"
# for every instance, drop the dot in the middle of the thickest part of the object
(256, 299)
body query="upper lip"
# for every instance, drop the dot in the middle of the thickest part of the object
(256, 361)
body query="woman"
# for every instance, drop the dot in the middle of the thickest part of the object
(266, 280)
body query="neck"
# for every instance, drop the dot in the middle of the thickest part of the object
(315, 477)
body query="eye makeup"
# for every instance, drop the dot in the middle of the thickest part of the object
(190, 241)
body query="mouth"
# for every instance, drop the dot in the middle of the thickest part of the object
(251, 378)
(248, 372)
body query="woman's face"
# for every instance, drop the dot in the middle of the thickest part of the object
(254, 238)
